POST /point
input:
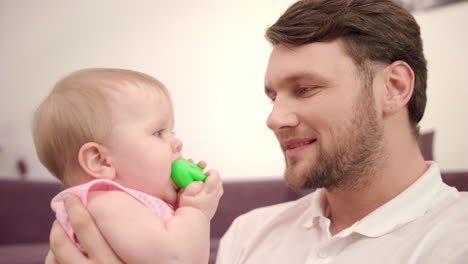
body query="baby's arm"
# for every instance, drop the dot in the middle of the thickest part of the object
(138, 235)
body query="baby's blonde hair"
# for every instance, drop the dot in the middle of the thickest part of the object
(78, 111)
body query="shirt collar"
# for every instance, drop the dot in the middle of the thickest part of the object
(316, 209)
(392, 214)
(409, 205)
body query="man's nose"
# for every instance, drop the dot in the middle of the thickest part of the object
(282, 116)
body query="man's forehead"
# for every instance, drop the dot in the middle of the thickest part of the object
(314, 61)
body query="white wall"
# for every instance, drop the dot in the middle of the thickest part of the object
(212, 56)
(445, 35)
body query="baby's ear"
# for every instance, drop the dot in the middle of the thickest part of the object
(95, 161)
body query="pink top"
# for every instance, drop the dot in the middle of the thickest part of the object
(155, 204)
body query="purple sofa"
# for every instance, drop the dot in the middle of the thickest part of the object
(25, 215)
(25, 220)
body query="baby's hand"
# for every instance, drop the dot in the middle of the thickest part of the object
(203, 195)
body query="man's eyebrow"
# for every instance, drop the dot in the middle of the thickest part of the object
(297, 76)
(305, 75)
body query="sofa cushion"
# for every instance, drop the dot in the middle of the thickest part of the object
(214, 244)
(457, 179)
(25, 210)
(34, 253)
(240, 197)
(426, 141)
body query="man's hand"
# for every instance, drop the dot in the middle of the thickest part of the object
(62, 249)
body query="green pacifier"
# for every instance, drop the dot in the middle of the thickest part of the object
(183, 172)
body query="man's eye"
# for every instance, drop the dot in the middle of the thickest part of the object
(308, 91)
(304, 90)
(271, 96)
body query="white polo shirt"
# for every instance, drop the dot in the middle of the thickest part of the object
(426, 223)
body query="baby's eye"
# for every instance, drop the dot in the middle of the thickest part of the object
(164, 133)
(159, 133)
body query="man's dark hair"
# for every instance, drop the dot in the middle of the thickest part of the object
(371, 30)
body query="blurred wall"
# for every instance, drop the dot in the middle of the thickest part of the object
(212, 56)
(445, 36)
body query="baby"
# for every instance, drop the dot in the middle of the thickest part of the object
(107, 134)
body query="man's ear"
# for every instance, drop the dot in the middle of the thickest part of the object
(399, 85)
(95, 161)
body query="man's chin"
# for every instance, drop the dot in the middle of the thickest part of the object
(294, 180)
(296, 173)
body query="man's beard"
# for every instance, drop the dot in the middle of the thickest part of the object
(352, 162)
